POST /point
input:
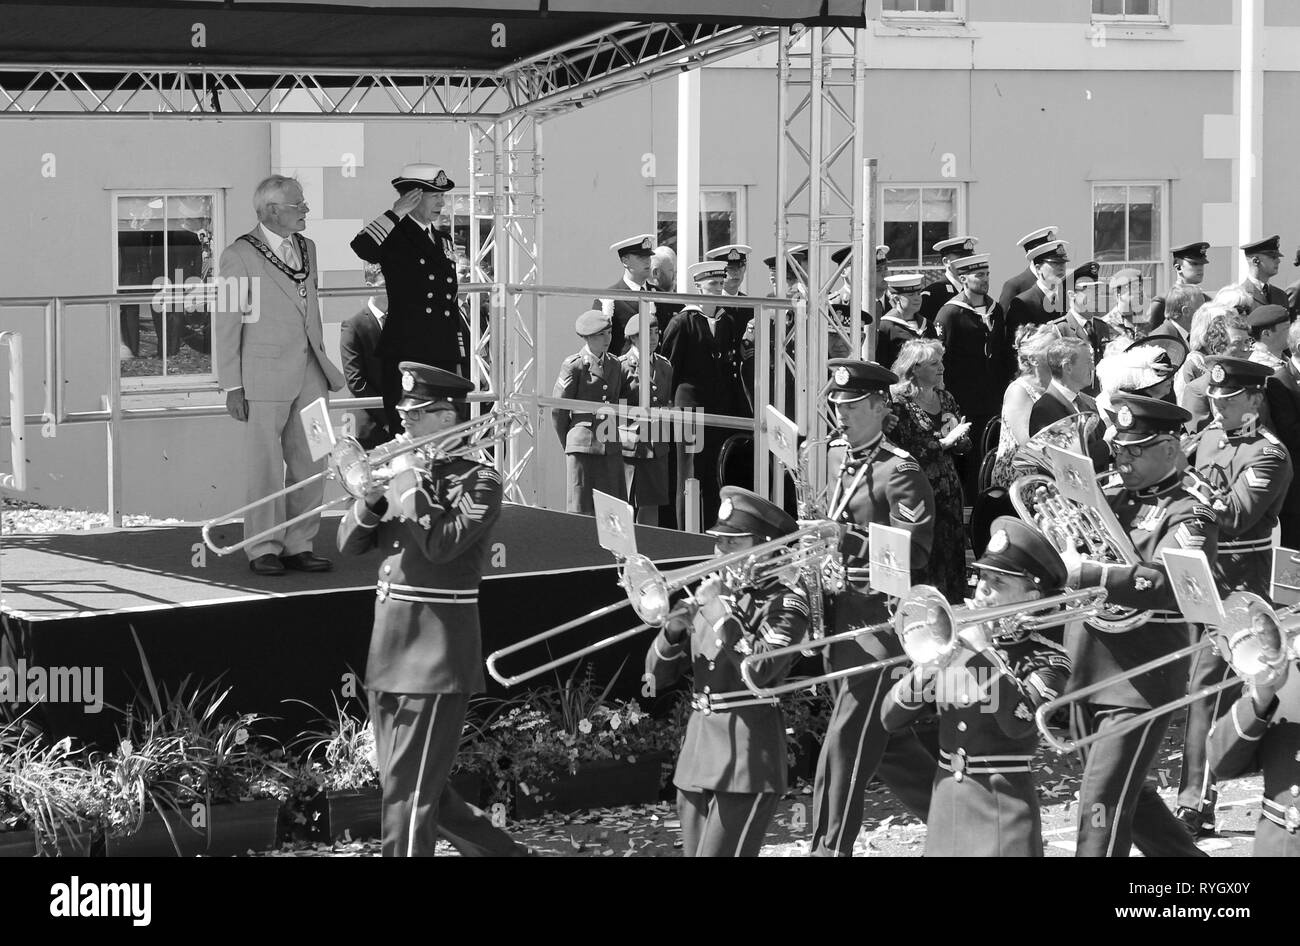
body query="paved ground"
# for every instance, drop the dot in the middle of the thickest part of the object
(889, 830)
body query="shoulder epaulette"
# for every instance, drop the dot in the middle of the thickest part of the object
(1269, 436)
(895, 450)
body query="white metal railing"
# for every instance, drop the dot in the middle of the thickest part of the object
(113, 414)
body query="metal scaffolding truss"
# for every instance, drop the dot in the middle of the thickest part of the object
(585, 70)
(821, 169)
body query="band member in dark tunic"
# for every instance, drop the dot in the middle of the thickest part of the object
(985, 802)
(731, 772)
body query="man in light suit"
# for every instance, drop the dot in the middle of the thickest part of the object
(271, 363)
(362, 366)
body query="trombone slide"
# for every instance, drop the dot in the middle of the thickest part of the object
(567, 658)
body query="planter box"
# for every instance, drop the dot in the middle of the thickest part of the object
(17, 844)
(232, 829)
(358, 813)
(604, 784)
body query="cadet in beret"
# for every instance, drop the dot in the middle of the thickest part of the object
(636, 254)
(592, 452)
(871, 480)
(731, 771)
(1250, 472)
(976, 372)
(1263, 259)
(1118, 806)
(1259, 734)
(935, 295)
(1028, 277)
(645, 452)
(1189, 272)
(424, 321)
(903, 322)
(433, 520)
(1269, 327)
(1044, 300)
(1082, 321)
(985, 801)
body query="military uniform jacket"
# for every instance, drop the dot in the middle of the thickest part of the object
(1156, 310)
(424, 321)
(1166, 515)
(1032, 307)
(619, 311)
(1095, 332)
(584, 378)
(1284, 411)
(1269, 295)
(988, 740)
(436, 545)
(1015, 286)
(1241, 743)
(740, 749)
(1250, 476)
(974, 355)
(661, 388)
(935, 296)
(894, 332)
(703, 362)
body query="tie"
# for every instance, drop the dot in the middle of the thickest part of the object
(288, 254)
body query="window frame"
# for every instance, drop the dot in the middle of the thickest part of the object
(742, 224)
(163, 383)
(1161, 262)
(959, 227)
(1159, 18)
(956, 15)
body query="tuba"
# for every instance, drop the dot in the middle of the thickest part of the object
(1093, 532)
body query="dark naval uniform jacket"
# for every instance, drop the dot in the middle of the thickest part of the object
(740, 749)
(424, 321)
(893, 333)
(1032, 307)
(975, 366)
(703, 361)
(584, 378)
(436, 544)
(935, 296)
(1250, 476)
(1242, 743)
(985, 802)
(1015, 286)
(619, 311)
(880, 483)
(1166, 515)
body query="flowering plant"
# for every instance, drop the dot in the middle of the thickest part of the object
(44, 788)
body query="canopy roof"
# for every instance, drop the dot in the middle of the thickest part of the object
(434, 35)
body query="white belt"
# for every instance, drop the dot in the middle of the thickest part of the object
(708, 703)
(960, 764)
(1248, 545)
(388, 589)
(1288, 817)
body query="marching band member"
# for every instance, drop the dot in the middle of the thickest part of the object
(1250, 470)
(731, 772)
(435, 526)
(1261, 732)
(985, 801)
(1156, 511)
(875, 481)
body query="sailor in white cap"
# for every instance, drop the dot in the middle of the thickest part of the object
(936, 294)
(1027, 277)
(424, 322)
(736, 257)
(903, 322)
(1045, 299)
(636, 253)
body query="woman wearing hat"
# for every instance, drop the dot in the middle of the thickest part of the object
(731, 772)
(985, 802)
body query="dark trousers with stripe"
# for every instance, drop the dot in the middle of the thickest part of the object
(724, 824)
(856, 747)
(1117, 806)
(416, 736)
(1196, 785)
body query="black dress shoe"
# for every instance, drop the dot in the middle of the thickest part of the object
(306, 562)
(266, 565)
(1197, 825)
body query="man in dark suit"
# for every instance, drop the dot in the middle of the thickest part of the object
(938, 294)
(1189, 270)
(424, 321)
(1082, 321)
(1025, 279)
(1283, 393)
(1263, 258)
(1043, 301)
(1070, 360)
(637, 255)
(362, 367)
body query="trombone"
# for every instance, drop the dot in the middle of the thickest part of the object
(649, 590)
(1256, 640)
(928, 628)
(360, 472)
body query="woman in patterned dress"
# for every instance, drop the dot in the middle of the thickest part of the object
(931, 428)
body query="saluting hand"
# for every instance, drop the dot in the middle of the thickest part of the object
(408, 202)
